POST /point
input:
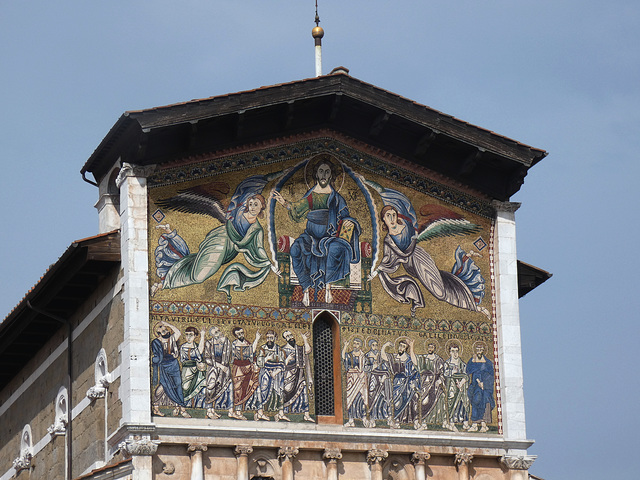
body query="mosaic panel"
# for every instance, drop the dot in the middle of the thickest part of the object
(247, 250)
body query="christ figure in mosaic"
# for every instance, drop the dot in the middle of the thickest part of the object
(463, 287)
(324, 252)
(240, 231)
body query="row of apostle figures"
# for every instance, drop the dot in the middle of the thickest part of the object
(422, 390)
(237, 376)
(399, 388)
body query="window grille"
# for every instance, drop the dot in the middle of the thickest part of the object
(323, 365)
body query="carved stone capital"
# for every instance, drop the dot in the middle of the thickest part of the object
(332, 454)
(518, 462)
(376, 455)
(23, 462)
(510, 207)
(197, 447)
(129, 170)
(137, 445)
(463, 458)
(287, 453)
(420, 458)
(243, 450)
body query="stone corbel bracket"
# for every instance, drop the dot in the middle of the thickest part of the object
(59, 426)
(23, 461)
(102, 377)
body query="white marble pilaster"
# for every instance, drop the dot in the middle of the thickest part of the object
(135, 387)
(508, 322)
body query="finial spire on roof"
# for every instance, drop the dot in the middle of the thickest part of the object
(317, 34)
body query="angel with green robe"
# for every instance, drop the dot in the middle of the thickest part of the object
(240, 232)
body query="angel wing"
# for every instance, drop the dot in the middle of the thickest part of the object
(201, 200)
(442, 222)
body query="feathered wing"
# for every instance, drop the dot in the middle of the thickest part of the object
(201, 200)
(442, 222)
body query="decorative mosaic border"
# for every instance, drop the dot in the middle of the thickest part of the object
(305, 148)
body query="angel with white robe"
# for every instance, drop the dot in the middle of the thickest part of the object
(463, 287)
(240, 232)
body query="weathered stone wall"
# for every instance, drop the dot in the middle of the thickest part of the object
(31, 396)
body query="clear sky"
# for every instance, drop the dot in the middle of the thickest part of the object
(559, 75)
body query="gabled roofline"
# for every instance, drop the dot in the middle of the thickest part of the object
(336, 101)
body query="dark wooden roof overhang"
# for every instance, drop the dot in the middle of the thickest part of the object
(61, 290)
(530, 277)
(489, 163)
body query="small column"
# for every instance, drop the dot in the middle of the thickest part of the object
(242, 454)
(462, 462)
(518, 465)
(332, 455)
(375, 457)
(195, 451)
(419, 460)
(286, 455)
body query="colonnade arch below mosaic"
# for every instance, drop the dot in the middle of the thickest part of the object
(242, 259)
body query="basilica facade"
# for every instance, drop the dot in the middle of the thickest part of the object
(309, 280)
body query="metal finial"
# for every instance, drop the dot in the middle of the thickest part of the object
(317, 20)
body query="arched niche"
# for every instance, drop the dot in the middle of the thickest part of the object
(327, 368)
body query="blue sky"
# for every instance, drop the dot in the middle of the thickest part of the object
(562, 76)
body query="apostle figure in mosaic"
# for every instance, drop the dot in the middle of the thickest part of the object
(457, 384)
(219, 387)
(166, 370)
(297, 376)
(379, 385)
(406, 382)
(323, 253)
(462, 287)
(240, 232)
(244, 372)
(433, 404)
(357, 389)
(193, 368)
(268, 395)
(481, 372)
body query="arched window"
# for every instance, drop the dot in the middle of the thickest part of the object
(327, 378)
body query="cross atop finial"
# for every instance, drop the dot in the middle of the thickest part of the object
(317, 17)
